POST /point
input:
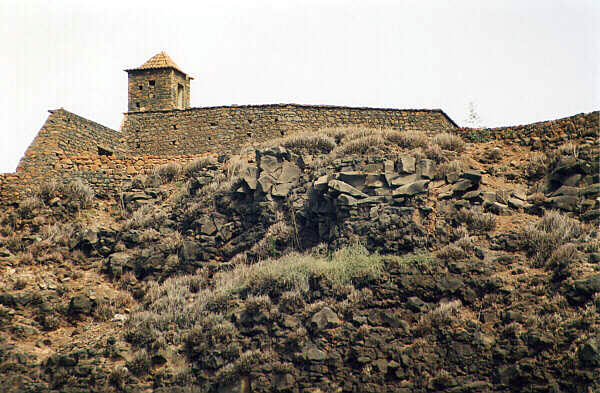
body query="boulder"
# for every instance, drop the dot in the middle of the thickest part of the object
(583, 290)
(406, 164)
(403, 180)
(463, 186)
(206, 226)
(264, 183)
(589, 353)
(473, 176)
(412, 189)
(81, 304)
(321, 183)
(564, 202)
(355, 179)
(269, 163)
(345, 188)
(324, 319)
(425, 168)
(281, 190)
(290, 173)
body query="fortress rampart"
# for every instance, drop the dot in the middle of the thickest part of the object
(226, 129)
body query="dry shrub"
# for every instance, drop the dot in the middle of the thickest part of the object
(435, 153)
(448, 141)
(476, 219)
(460, 249)
(362, 145)
(234, 166)
(412, 139)
(440, 317)
(274, 243)
(167, 172)
(29, 206)
(454, 166)
(146, 217)
(79, 195)
(568, 149)
(47, 190)
(536, 166)
(198, 165)
(310, 141)
(541, 239)
(562, 259)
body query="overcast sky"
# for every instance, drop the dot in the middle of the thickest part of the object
(518, 61)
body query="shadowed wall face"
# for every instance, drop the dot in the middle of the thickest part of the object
(158, 89)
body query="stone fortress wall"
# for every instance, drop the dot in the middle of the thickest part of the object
(227, 128)
(69, 146)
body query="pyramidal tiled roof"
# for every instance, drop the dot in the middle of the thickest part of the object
(160, 60)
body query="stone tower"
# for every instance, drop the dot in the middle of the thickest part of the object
(158, 85)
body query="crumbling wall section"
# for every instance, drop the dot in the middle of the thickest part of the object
(65, 133)
(583, 124)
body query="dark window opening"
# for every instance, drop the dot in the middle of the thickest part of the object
(213, 124)
(104, 152)
(151, 83)
(249, 121)
(174, 126)
(276, 120)
(137, 146)
(249, 133)
(174, 143)
(137, 104)
(282, 132)
(209, 138)
(140, 87)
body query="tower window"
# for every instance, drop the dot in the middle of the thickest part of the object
(140, 87)
(180, 96)
(137, 105)
(174, 126)
(151, 83)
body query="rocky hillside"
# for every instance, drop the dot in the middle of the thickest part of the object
(343, 260)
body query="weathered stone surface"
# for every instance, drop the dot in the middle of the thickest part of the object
(403, 180)
(81, 304)
(344, 188)
(269, 163)
(412, 189)
(324, 319)
(355, 179)
(264, 183)
(281, 190)
(406, 164)
(321, 184)
(589, 353)
(290, 173)
(473, 176)
(425, 168)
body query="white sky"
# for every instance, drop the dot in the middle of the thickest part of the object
(518, 61)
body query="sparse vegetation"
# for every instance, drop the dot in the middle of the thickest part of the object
(553, 230)
(476, 220)
(167, 172)
(198, 165)
(448, 141)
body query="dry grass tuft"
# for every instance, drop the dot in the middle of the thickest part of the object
(167, 172)
(310, 141)
(198, 165)
(448, 141)
(553, 230)
(476, 220)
